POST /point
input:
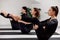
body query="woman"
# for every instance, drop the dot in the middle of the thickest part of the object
(25, 28)
(49, 25)
(44, 29)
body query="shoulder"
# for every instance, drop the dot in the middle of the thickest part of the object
(54, 21)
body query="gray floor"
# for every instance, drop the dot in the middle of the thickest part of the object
(18, 33)
(6, 33)
(29, 39)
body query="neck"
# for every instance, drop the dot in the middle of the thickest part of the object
(53, 17)
(33, 16)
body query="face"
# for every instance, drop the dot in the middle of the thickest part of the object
(33, 12)
(51, 12)
(22, 10)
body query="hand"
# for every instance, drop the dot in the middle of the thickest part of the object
(35, 27)
(44, 27)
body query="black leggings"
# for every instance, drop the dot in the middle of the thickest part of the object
(15, 25)
(44, 34)
(25, 28)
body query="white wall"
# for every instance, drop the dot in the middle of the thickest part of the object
(12, 6)
(45, 5)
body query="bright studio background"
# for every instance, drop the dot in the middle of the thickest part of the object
(14, 6)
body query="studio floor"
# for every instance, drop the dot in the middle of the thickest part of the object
(8, 34)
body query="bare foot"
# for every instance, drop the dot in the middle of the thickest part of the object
(4, 12)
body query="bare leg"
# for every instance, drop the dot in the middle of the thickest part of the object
(12, 16)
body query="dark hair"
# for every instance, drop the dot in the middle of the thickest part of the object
(37, 14)
(55, 8)
(25, 8)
